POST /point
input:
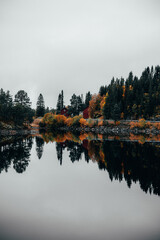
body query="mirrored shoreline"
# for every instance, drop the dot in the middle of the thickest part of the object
(135, 160)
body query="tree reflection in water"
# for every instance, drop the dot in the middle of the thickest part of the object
(131, 161)
(17, 153)
(123, 160)
(39, 146)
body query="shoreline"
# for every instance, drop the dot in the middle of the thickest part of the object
(15, 132)
(116, 130)
(108, 130)
(100, 133)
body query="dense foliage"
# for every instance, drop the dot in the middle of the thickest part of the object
(18, 110)
(17, 154)
(77, 104)
(133, 98)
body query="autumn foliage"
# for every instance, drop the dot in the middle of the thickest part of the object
(51, 120)
(95, 106)
(143, 124)
(83, 122)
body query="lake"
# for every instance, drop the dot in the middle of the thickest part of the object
(76, 188)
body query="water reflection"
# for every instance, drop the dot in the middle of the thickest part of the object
(131, 161)
(39, 146)
(16, 153)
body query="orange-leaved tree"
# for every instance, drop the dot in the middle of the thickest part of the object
(69, 121)
(95, 106)
(83, 122)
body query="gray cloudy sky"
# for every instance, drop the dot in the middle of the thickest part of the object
(75, 45)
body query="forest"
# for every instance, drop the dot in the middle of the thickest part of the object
(131, 98)
(18, 111)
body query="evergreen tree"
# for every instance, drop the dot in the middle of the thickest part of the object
(103, 90)
(73, 109)
(115, 112)
(60, 103)
(22, 98)
(79, 104)
(22, 111)
(6, 105)
(40, 110)
(76, 105)
(106, 109)
(87, 99)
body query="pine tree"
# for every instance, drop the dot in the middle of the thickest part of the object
(22, 111)
(60, 103)
(6, 105)
(102, 90)
(115, 112)
(106, 110)
(87, 99)
(22, 98)
(40, 110)
(74, 105)
(79, 104)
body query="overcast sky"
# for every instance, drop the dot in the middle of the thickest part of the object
(75, 45)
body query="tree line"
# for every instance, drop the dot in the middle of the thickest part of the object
(77, 104)
(130, 98)
(18, 152)
(134, 97)
(18, 110)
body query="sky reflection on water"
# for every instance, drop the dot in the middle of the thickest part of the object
(73, 201)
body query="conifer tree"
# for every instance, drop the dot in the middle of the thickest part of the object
(22, 98)
(88, 98)
(115, 112)
(40, 110)
(60, 103)
(22, 112)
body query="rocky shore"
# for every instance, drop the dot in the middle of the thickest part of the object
(116, 130)
(108, 130)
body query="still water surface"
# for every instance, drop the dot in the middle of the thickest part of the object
(60, 191)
